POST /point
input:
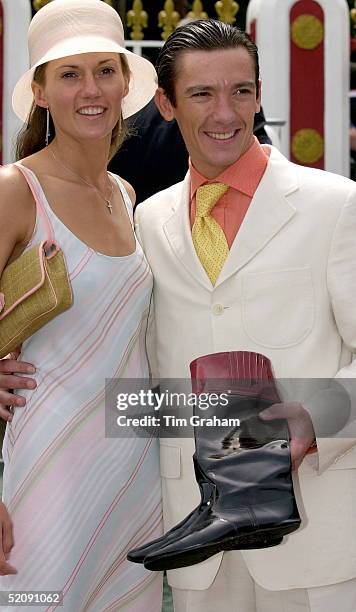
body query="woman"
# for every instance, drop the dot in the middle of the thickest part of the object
(78, 500)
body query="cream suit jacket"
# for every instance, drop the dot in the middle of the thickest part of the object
(287, 290)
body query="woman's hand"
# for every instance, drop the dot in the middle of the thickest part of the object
(6, 541)
(9, 380)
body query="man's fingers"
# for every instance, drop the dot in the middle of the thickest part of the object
(9, 399)
(6, 414)
(7, 402)
(284, 410)
(276, 411)
(301, 431)
(10, 381)
(9, 366)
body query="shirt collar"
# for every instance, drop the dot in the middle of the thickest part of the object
(243, 175)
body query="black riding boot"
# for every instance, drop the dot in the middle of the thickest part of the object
(247, 465)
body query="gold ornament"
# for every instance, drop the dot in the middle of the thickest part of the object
(168, 19)
(353, 16)
(307, 32)
(38, 4)
(137, 19)
(307, 146)
(197, 11)
(226, 10)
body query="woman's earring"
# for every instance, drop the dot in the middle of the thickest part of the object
(47, 126)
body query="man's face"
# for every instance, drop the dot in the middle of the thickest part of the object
(215, 106)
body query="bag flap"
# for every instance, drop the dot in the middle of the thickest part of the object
(22, 277)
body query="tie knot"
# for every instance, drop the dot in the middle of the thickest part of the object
(207, 196)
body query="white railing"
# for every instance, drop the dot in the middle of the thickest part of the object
(138, 45)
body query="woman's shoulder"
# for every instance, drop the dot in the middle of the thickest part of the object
(14, 188)
(13, 183)
(11, 180)
(17, 212)
(16, 202)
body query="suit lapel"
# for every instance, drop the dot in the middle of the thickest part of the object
(267, 214)
(178, 233)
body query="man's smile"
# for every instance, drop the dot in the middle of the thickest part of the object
(221, 135)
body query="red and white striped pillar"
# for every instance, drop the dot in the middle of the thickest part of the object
(304, 55)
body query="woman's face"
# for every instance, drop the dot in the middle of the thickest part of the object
(84, 94)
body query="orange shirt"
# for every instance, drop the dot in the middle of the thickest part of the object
(243, 178)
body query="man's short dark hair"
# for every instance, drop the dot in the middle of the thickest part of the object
(200, 35)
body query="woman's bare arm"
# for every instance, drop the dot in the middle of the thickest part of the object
(18, 216)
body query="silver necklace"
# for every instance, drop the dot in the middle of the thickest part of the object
(106, 200)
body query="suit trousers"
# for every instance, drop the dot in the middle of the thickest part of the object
(234, 590)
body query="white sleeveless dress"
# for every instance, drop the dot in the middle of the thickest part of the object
(78, 500)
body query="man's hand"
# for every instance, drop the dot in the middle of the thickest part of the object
(301, 430)
(9, 369)
(352, 136)
(6, 541)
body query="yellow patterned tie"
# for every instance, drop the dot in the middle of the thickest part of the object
(208, 237)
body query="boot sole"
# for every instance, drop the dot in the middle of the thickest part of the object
(251, 545)
(266, 539)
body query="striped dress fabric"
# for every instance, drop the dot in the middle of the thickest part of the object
(78, 500)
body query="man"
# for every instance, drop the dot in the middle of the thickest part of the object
(285, 289)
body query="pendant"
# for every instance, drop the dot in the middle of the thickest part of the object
(109, 206)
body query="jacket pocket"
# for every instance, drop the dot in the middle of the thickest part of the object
(170, 461)
(278, 306)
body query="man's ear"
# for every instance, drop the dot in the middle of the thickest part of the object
(164, 105)
(38, 95)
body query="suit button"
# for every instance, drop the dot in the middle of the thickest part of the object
(218, 309)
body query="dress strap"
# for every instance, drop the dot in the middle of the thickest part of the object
(37, 192)
(125, 197)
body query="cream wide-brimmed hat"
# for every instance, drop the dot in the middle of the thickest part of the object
(69, 27)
